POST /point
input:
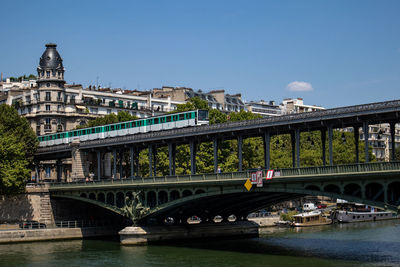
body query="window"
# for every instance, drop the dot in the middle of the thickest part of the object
(181, 117)
(48, 74)
(48, 170)
(58, 108)
(169, 119)
(47, 107)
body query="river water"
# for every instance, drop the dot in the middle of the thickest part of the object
(359, 244)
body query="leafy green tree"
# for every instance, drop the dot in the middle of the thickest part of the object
(18, 144)
(108, 119)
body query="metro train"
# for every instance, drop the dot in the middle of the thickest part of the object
(157, 123)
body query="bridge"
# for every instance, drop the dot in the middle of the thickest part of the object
(158, 199)
(155, 199)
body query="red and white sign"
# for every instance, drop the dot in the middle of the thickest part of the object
(259, 179)
(270, 174)
(254, 178)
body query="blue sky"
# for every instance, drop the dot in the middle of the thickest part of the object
(331, 53)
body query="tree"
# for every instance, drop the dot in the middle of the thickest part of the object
(18, 144)
(108, 119)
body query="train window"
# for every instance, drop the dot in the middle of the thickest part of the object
(112, 128)
(181, 117)
(155, 120)
(149, 122)
(58, 136)
(203, 115)
(169, 119)
(175, 117)
(123, 126)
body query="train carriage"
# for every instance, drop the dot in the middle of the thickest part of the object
(157, 123)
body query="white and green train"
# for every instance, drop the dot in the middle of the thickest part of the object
(157, 123)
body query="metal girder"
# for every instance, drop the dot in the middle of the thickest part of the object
(347, 116)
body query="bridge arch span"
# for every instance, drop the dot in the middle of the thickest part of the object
(394, 193)
(353, 189)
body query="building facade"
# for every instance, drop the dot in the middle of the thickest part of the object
(265, 109)
(296, 105)
(216, 99)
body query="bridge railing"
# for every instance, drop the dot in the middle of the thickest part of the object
(284, 172)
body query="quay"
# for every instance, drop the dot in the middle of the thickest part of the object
(50, 234)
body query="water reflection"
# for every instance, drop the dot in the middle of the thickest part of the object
(375, 243)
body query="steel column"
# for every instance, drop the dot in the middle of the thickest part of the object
(193, 157)
(356, 139)
(58, 167)
(121, 155)
(137, 162)
(155, 160)
(114, 172)
(267, 141)
(171, 157)
(297, 137)
(215, 147)
(366, 141)
(323, 140)
(393, 137)
(98, 165)
(131, 155)
(330, 139)
(293, 142)
(240, 156)
(150, 160)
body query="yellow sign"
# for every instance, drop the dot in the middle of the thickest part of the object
(248, 184)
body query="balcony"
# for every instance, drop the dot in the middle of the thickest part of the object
(47, 127)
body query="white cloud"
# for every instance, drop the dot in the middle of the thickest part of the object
(297, 86)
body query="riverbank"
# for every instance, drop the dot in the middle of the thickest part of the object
(31, 235)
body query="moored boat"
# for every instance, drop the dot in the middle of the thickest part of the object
(343, 216)
(313, 218)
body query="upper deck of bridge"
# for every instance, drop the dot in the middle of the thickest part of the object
(373, 113)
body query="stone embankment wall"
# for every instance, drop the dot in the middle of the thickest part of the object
(34, 205)
(12, 236)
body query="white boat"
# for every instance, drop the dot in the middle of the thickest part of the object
(343, 216)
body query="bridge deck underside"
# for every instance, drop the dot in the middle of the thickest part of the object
(238, 204)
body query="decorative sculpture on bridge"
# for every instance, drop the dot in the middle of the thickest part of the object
(134, 208)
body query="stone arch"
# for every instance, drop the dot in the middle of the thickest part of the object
(374, 191)
(352, 190)
(110, 198)
(199, 191)
(151, 199)
(101, 197)
(313, 188)
(331, 188)
(394, 193)
(92, 196)
(162, 197)
(174, 195)
(120, 199)
(187, 193)
(83, 195)
(129, 195)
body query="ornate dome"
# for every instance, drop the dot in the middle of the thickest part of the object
(51, 59)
